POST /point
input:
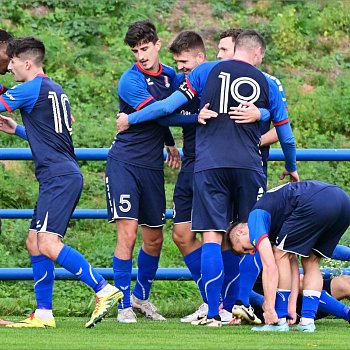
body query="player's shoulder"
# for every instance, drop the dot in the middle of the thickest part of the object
(131, 76)
(169, 70)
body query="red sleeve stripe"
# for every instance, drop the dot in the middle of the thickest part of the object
(285, 121)
(190, 87)
(265, 235)
(144, 103)
(5, 105)
(2, 89)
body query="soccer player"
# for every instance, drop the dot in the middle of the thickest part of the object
(289, 221)
(134, 173)
(45, 112)
(212, 206)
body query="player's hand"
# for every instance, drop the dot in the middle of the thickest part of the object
(206, 113)
(7, 124)
(293, 315)
(122, 122)
(270, 316)
(173, 158)
(293, 175)
(247, 113)
(72, 119)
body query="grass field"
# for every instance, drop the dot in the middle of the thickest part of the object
(71, 334)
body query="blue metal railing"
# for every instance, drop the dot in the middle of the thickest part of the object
(314, 154)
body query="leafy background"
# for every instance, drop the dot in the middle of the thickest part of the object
(308, 50)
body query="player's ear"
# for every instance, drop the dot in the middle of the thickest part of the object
(158, 44)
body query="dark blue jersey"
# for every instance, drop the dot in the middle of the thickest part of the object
(221, 143)
(46, 116)
(142, 144)
(275, 207)
(188, 131)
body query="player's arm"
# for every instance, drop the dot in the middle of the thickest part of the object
(269, 138)
(270, 280)
(292, 301)
(284, 131)
(9, 126)
(3, 89)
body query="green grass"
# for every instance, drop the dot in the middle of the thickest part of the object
(71, 334)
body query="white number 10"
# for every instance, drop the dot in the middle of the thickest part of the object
(57, 112)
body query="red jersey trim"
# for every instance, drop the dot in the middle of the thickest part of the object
(5, 104)
(285, 121)
(2, 89)
(190, 87)
(150, 73)
(265, 235)
(144, 103)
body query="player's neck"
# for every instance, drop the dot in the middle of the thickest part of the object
(243, 56)
(33, 73)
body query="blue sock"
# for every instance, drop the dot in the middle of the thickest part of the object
(341, 252)
(310, 303)
(122, 279)
(193, 262)
(249, 269)
(256, 299)
(230, 286)
(148, 266)
(75, 263)
(44, 276)
(212, 275)
(332, 306)
(281, 304)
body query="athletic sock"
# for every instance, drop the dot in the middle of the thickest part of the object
(122, 278)
(212, 275)
(309, 305)
(193, 262)
(256, 299)
(75, 263)
(281, 304)
(249, 268)
(231, 282)
(44, 276)
(42, 314)
(332, 306)
(341, 252)
(148, 266)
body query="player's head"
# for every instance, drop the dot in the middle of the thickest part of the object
(237, 236)
(5, 37)
(26, 57)
(188, 50)
(226, 46)
(143, 39)
(253, 44)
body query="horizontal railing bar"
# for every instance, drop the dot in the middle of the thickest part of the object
(310, 154)
(77, 214)
(165, 273)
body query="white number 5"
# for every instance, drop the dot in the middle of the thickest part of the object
(123, 201)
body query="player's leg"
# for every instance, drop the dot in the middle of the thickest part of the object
(211, 200)
(249, 187)
(123, 197)
(151, 219)
(186, 241)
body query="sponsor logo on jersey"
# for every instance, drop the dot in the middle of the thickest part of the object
(149, 81)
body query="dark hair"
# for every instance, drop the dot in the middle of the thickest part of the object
(5, 36)
(141, 32)
(233, 33)
(250, 39)
(187, 40)
(28, 46)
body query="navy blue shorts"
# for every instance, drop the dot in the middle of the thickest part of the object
(218, 193)
(182, 199)
(317, 223)
(57, 199)
(135, 193)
